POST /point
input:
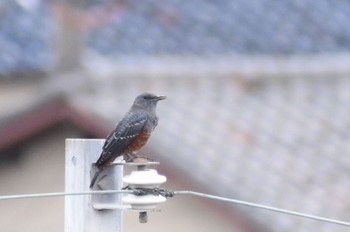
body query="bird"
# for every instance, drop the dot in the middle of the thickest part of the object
(130, 134)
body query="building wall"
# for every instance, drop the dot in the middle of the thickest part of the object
(39, 168)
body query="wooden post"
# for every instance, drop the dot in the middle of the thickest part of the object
(79, 214)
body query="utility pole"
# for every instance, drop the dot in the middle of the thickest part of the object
(80, 216)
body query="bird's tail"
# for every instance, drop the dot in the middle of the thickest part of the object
(97, 171)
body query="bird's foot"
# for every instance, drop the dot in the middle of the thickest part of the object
(133, 158)
(142, 159)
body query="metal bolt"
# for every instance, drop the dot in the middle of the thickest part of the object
(141, 167)
(143, 217)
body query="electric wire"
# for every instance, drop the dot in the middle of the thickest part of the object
(59, 194)
(265, 207)
(167, 193)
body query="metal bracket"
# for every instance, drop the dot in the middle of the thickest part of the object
(107, 181)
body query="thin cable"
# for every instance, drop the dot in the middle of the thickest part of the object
(175, 193)
(309, 216)
(58, 194)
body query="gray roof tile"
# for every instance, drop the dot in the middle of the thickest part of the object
(282, 144)
(183, 27)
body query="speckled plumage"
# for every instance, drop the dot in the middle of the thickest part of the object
(131, 133)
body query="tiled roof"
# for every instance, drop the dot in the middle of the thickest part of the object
(25, 37)
(280, 142)
(283, 144)
(177, 27)
(226, 27)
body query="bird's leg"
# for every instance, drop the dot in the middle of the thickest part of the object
(145, 159)
(129, 157)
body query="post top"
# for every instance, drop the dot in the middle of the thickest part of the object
(136, 164)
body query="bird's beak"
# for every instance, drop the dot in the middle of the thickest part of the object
(160, 98)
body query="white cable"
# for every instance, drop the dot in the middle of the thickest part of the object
(58, 194)
(208, 196)
(309, 216)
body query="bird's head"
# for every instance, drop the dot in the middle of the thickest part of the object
(147, 101)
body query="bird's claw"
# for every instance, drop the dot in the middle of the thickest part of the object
(133, 158)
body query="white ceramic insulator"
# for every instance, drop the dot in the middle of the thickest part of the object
(147, 202)
(148, 178)
(144, 178)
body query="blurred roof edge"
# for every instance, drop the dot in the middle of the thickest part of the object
(242, 66)
(24, 75)
(167, 66)
(43, 115)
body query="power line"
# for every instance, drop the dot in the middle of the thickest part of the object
(259, 206)
(59, 194)
(166, 193)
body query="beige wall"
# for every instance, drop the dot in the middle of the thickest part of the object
(39, 169)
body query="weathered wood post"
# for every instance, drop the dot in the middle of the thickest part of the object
(80, 216)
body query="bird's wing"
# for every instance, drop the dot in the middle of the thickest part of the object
(123, 135)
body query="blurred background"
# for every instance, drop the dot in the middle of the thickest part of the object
(257, 108)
